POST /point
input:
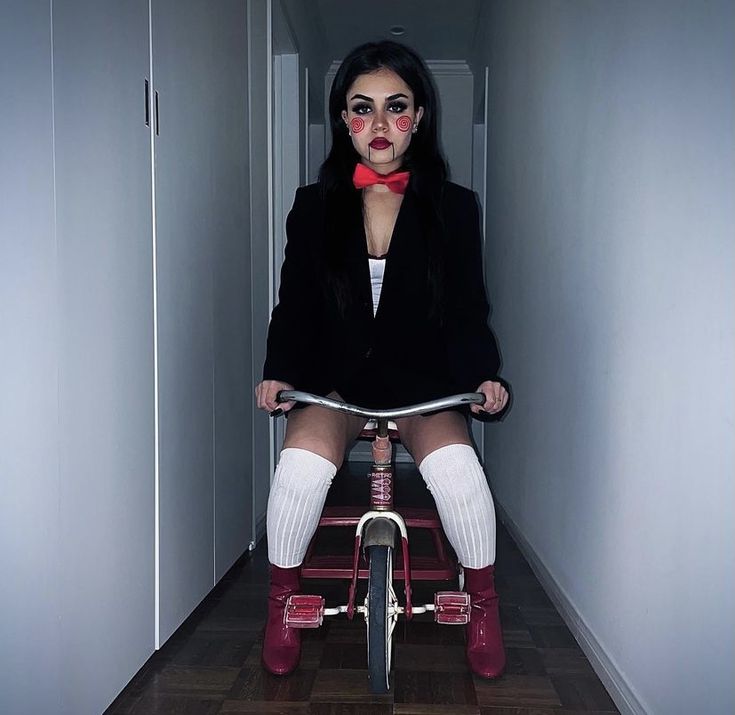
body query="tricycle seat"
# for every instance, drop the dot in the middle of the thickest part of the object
(370, 431)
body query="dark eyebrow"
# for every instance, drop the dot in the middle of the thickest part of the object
(387, 99)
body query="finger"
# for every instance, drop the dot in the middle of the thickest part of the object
(269, 402)
(269, 397)
(259, 398)
(281, 407)
(499, 403)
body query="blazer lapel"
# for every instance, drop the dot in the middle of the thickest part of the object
(358, 267)
(402, 245)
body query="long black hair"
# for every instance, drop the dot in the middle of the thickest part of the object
(423, 159)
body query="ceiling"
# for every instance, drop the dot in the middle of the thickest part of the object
(437, 29)
(326, 30)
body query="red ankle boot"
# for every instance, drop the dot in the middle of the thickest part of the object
(281, 645)
(485, 652)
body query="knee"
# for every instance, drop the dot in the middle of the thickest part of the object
(302, 470)
(455, 469)
(320, 444)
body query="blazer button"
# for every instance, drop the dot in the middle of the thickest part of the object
(369, 352)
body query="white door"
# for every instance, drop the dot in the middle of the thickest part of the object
(182, 41)
(202, 229)
(230, 237)
(105, 329)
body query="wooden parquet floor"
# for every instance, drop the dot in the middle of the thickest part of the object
(211, 665)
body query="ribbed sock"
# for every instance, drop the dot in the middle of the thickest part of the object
(458, 484)
(295, 504)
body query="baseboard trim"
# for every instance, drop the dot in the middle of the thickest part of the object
(616, 684)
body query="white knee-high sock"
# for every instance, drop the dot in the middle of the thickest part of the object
(295, 504)
(458, 484)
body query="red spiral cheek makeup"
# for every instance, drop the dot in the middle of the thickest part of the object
(357, 125)
(403, 123)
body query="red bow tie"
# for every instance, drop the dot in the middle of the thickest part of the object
(396, 181)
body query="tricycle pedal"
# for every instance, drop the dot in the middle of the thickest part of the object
(304, 611)
(452, 607)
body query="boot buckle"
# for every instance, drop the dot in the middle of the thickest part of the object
(452, 607)
(304, 611)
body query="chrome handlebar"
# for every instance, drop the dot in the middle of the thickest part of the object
(443, 403)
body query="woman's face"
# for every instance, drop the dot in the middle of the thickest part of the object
(381, 117)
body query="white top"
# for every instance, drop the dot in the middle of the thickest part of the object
(377, 269)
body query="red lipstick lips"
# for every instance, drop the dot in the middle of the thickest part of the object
(379, 143)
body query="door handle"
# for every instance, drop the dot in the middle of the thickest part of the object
(158, 127)
(147, 103)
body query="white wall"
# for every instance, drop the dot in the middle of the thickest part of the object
(316, 151)
(611, 269)
(307, 32)
(455, 86)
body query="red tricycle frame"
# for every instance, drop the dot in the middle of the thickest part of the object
(377, 530)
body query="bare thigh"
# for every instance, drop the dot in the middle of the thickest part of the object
(323, 431)
(424, 434)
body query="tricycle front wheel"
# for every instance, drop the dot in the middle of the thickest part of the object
(379, 629)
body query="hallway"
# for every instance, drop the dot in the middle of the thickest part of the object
(212, 663)
(151, 151)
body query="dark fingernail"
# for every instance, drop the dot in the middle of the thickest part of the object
(277, 412)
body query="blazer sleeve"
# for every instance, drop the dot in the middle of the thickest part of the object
(471, 348)
(292, 333)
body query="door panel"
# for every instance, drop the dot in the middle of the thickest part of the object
(29, 427)
(233, 389)
(183, 64)
(106, 399)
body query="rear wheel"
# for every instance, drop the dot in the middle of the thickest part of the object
(379, 626)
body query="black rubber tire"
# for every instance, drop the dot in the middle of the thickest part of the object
(377, 626)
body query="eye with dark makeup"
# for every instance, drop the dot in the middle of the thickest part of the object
(365, 108)
(361, 108)
(397, 107)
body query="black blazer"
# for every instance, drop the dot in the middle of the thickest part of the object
(402, 355)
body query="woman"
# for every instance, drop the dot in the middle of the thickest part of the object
(382, 304)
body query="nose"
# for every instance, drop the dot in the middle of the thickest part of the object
(380, 121)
